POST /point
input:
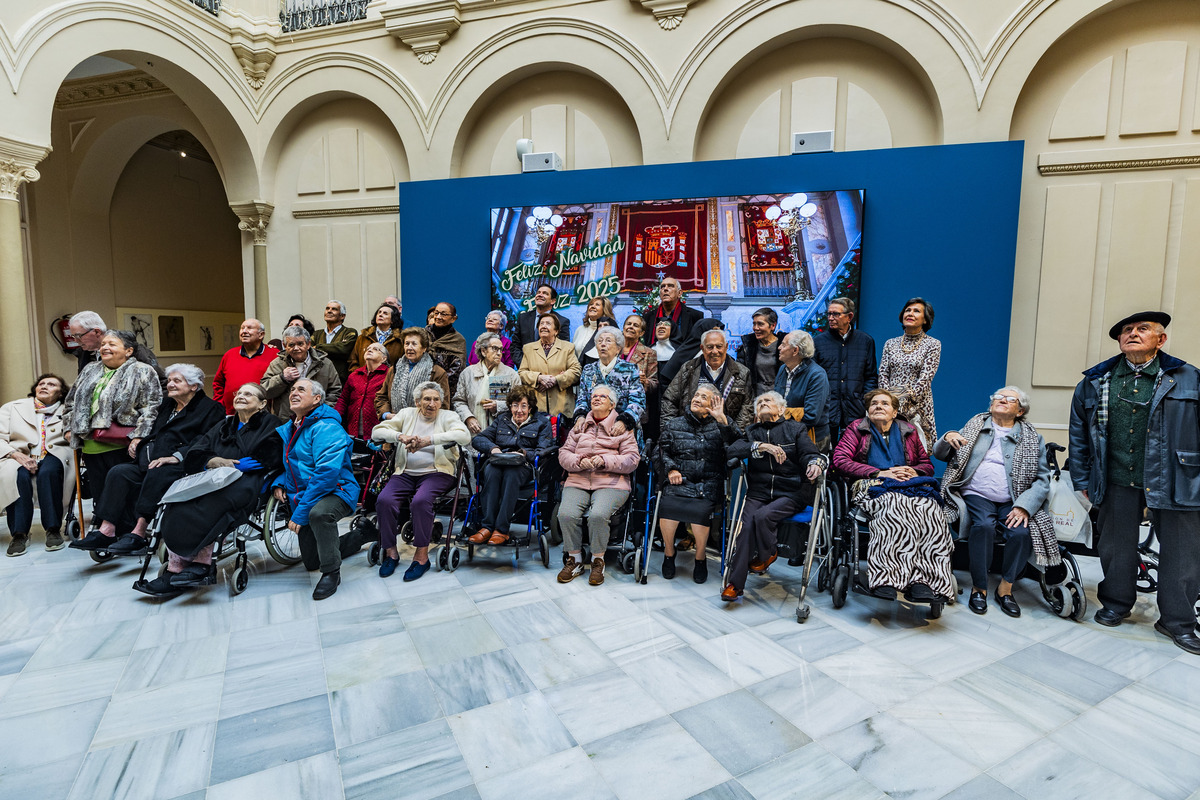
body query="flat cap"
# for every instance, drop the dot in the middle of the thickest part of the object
(1142, 316)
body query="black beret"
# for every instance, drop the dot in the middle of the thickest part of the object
(1142, 316)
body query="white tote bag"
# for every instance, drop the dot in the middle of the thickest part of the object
(192, 486)
(1069, 510)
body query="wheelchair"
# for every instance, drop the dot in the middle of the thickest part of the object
(268, 523)
(652, 538)
(629, 523)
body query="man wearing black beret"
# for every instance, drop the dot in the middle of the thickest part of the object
(1135, 444)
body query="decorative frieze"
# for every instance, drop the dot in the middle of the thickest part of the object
(130, 85)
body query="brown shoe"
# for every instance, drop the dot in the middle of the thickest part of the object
(571, 569)
(597, 576)
(498, 538)
(17, 546)
(480, 537)
(759, 567)
(730, 593)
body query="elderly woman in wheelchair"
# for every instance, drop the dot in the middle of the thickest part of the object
(909, 546)
(245, 441)
(997, 482)
(782, 464)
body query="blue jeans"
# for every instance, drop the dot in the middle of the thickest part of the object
(49, 491)
(986, 518)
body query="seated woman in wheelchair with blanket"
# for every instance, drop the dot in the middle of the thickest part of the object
(782, 464)
(909, 546)
(246, 441)
(997, 481)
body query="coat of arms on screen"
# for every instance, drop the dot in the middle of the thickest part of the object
(660, 246)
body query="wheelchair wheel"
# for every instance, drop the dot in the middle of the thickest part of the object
(161, 552)
(440, 558)
(374, 554)
(406, 532)
(1078, 601)
(1147, 578)
(101, 556)
(72, 529)
(823, 576)
(436, 536)
(638, 577)
(935, 610)
(454, 559)
(840, 585)
(627, 562)
(544, 550)
(282, 543)
(238, 581)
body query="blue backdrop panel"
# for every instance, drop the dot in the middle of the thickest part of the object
(938, 222)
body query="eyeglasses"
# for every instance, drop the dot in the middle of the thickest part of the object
(1003, 398)
(832, 314)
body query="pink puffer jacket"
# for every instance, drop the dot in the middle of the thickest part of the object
(592, 438)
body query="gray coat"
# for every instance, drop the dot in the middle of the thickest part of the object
(1030, 501)
(132, 397)
(1172, 441)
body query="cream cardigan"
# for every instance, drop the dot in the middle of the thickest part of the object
(448, 429)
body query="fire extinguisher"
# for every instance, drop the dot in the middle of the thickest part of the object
(60, 331)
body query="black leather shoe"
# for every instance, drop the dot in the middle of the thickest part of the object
(1008, 605)
(95, 540)
(921, 593)
(195, 575)
(1189, 641)
(128, 545)
(160, 587)
(1109, 618)
(884, 592)
(978, 602)
(327, 585)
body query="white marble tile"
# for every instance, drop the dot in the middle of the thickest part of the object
(625, 640)
(39, 690)
(149, 712)
(965, 726)
(813, 701)
(419, 763)
(505, 593)
(1130, 657)
(313, 778)
(264, 739)
(679, 678)
(740, 731)
(940, 657)
(272, 609)
(369, 659)
(256, 645)
(560, 659)
(478, 681)
(983, 787)
(115, 607)
(880, 679)
(354, 594)
(112, 640)
(343, 627)
(1048, 771)
(454, 640)
(50, 781)
(19, 621)
(174, 662)
(1066, 673)
(167, 765)
(49, 736)
(698, 621)
(632, 762)
(1179, 680)
(505, 736)
(747, 657)
(1019, 697)
(811, 641)
(600, 705)
(524, 623)
(569, 773)
(898, 759)
(379, 707)
(268, 682)
(181, 623)
(433, 609)
(809, 772)
(592, 605)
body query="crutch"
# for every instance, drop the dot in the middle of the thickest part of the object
(814, 526)
(735, 510)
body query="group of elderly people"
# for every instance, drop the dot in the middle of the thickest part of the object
(786, 401)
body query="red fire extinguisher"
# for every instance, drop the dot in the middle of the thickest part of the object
(60, 331)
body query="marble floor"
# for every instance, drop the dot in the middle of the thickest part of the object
(497, 682)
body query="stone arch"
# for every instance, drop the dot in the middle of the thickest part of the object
(210, 83)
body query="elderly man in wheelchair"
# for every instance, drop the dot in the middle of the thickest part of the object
(997, 483)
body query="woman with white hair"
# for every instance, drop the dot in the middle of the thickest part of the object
(484, 385)
(611, 370)
(782, 464)
(998, 481)
(494, 323)
(426, 464)
(132, 492)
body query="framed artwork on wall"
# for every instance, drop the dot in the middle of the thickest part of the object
(173, 332)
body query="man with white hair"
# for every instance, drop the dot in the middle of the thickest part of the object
(1135, 444)
(87, 328)
(299, 359)
(671, 306)
(730, 379)
(804, 385)
(243, 364)
(336, 340)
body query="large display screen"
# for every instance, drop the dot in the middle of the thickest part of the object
(732, 255)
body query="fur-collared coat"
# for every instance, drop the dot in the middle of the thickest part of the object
(131, 398)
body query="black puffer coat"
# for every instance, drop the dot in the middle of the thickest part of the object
(769, 480)
(695, 447)
(172, 435)
(532, 438)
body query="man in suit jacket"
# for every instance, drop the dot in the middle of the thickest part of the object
(672, 307)
(526, 332)
(336, 340)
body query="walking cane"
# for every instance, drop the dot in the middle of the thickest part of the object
(78, 491)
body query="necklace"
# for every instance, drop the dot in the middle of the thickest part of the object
(916, 342)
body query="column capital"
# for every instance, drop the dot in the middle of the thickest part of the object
(254, 219)
(18, 162)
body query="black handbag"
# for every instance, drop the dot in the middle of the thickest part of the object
(516, 459)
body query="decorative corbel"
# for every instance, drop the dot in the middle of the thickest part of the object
(18, 166)
(253, 218)
(255, 62)
(422, 25)
(668, 13)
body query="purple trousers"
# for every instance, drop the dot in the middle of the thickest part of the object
(416, 493)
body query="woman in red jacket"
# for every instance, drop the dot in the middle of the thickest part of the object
(356, 403)
(910, 545)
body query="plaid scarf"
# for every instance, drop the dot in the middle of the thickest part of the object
(408, 377)
(1024, 470)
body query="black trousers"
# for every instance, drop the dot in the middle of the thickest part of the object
(501, 490)
(99, 465)
(49, 480)
(986, 519)
(133, 490)
(1178, 557)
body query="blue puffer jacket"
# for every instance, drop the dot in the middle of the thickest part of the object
(316, 462)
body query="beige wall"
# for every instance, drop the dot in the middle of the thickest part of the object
(320, 125)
